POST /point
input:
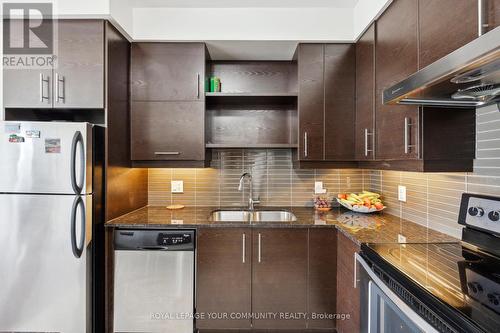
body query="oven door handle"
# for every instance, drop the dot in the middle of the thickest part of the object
(409, 312)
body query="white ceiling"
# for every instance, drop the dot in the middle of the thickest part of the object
(244, 3)
(246, 29)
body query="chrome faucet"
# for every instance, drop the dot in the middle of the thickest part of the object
(251, 201)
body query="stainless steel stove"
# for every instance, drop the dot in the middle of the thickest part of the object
(441, 287)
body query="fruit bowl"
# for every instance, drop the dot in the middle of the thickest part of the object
(365, 202)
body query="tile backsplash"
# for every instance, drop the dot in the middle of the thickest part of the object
(275, 181)
(433, 199)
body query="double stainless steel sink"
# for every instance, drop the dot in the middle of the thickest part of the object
(252, 216)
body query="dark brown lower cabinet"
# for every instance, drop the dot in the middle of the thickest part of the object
(348, 301)
(279, 277)
(322, 289)
(224, 273)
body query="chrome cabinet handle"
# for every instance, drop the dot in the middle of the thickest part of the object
(42, 81)
(407, 133)
(367, 134)
(481, 15)
(259, 248)
(58, 80)
(355, 272)
(305, 144)
(198, 86)
(167, 153)
(243, 252)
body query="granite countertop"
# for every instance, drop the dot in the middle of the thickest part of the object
(361, 228)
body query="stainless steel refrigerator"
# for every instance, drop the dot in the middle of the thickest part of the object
(47, 194)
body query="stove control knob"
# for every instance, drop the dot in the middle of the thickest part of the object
(494, 215)
(475, 287)
(494, 298)
(476, 211)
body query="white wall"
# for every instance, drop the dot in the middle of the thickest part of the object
(81, 8)
(299, 24)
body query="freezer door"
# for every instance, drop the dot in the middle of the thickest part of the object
(45, 157)
(44, 263)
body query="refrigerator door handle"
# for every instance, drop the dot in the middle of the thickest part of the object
(77, 185)
(78, 248)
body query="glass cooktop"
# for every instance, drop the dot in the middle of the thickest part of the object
(458, 276)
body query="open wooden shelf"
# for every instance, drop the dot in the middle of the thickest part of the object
(250, 145)
(257, 107)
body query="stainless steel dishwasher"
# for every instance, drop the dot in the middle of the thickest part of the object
(154, 281)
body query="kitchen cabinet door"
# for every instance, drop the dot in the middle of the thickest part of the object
(168, 71)
(279, 277)
(445, 26)
(348, 301)
(224, 271)
(162, 131)
(492, 14)
(365, 96)
(322, 288)
(339, 81)
(311, 102)
(397, 126)
(26, 88)
(79, 71)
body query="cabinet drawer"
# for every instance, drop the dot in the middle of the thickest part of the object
(165, 131)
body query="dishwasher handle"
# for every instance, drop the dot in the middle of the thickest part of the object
(153, 248)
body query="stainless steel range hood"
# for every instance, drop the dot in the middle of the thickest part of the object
(467, 77)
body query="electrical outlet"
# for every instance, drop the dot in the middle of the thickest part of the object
(177, 186)
(402, 193)
(401, 238)
(318, 188)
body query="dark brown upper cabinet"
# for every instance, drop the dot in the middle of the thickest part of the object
(492, 14)
(340, 78)
(168, 72)
(365, 96)
(311, 102)
(326, 74)
(445, 26)
(168, 104)
(167, 131)
(397, 127)
(410, 138)
(76, 81)
(224, 276)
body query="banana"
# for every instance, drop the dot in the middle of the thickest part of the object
(371, 193)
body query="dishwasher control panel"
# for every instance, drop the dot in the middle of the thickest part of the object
(165, 239)
(154, 240)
